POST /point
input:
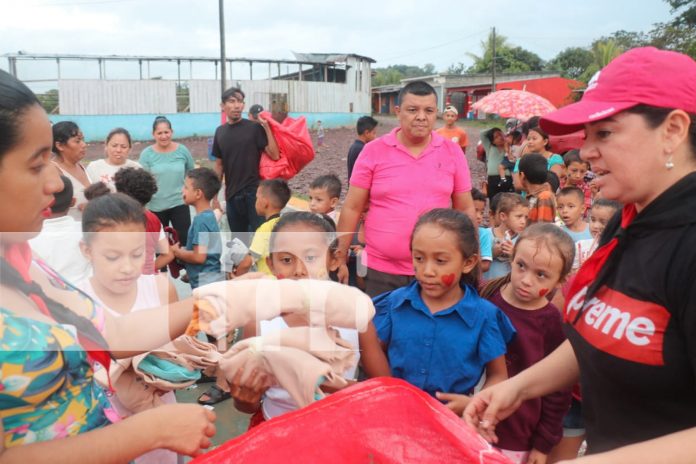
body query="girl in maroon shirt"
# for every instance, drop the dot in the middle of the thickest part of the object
(541, 260)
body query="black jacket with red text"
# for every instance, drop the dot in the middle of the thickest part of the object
(635, 337)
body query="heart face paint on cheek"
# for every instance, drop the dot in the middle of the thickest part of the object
(447, 279)
(543, 291)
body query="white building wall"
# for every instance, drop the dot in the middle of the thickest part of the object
(302, 97)
(91, 96)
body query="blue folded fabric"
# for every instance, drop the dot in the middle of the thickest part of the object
(167, 370)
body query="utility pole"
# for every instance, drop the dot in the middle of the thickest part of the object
(493, 60)
(223, 60)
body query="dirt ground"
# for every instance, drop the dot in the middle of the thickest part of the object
(331, 159)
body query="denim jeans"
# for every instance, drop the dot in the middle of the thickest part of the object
(241, 214)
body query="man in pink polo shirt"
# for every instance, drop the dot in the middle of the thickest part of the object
(400, 176)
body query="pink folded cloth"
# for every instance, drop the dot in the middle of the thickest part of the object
(135, 394)
(323, 343)
(223, 306)
(297, 371)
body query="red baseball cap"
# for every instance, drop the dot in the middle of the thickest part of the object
(644, 75)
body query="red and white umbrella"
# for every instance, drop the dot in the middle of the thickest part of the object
(518, 104)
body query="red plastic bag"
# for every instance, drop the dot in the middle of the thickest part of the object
(294, 144)
(381, 421)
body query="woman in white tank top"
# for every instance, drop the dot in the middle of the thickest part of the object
(114, 243)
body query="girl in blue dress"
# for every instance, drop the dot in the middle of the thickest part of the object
(438, 333)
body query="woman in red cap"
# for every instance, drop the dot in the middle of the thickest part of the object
(631, 312)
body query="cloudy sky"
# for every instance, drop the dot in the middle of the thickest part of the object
(390, 31)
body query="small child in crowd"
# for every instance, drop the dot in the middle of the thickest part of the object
(271, 197)
(324, 194)
(513, 141)
(541, 260)
(320, 135)
(367, 132)
(450, 131)
(117, 147)
(577, 172)
(141, 185)
(302, 246)
(96, 190)
(485, 234)
(533, 179)
(493, 220)
(114, 243)
(439, 334)
(601, 212)
(203, 244)
(570, 202)
(63, 230)
(512, 212)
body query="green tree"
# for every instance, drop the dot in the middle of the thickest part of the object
(571, 62)
(679, 34)
(394, 73)
(602, 54)
(49, 101)
(508, 58)
(457, 68)
(428, 69)
(626, 39)
(483, 62)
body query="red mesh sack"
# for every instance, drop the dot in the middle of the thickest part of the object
(294, 144)
(380, 421)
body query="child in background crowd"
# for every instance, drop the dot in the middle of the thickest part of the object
(493, 219)
(63, 230)
(439, 334)
(320, 135)
(114, 243)
(96, 190)
(553, 182)
(485, 234)
(302, 246)
(533, 180)
(570, 202)
(601, 212)
(577, 171)
(203, 244)
(541, 260)
(512, 154)
(450, 131)
(140, 185)
(512, 215)
(117, 147)
(367, 132)
(324, 194)
(271, 197)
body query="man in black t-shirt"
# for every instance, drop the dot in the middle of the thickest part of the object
(238, 146)
(367, 132)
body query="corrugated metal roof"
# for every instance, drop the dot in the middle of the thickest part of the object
(329, 57)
